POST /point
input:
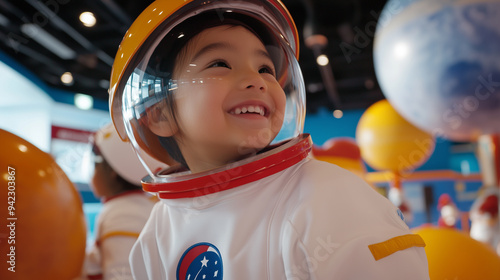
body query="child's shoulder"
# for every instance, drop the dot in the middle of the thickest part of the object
(327, 187)
(326, 199)
(322, 174)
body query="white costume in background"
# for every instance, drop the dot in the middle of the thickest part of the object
(297, 218)
(117, 227)
(485, 224)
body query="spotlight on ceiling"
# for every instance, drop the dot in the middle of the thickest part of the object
(67, 78)
(83, 101)
(88, 19)
(322, 60)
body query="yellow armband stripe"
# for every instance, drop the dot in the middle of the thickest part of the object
(117, 233)
(398, 243)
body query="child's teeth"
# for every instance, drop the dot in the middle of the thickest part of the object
(250, 109)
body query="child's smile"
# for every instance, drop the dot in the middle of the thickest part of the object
(249, 110)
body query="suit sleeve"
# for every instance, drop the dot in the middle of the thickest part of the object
(144, 258)
(343, 229)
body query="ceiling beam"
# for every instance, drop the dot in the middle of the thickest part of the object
(118, 12)
(65, 27)
(33, 54)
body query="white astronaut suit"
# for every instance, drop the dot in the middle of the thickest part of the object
(117, 228)
(282, 215)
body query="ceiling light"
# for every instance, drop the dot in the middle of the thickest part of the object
(88, 19)
(48, 41)
(338, 114)
(83, 101)
(67, 78)
(322, 60)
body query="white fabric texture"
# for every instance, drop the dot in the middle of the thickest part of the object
(121, 218)
(313, 220)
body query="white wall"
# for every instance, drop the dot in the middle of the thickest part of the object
(29, 112)
(24, 108)
(67, 115)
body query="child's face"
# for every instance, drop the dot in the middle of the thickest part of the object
(224, 75)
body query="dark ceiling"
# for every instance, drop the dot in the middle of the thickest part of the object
(348, 82)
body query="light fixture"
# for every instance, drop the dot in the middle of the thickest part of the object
(88, 19)
(322, 60)
(83, 101)
(67, 78)
(338, 114)
(37, 33)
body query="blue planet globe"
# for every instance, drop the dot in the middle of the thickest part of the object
(438, 64)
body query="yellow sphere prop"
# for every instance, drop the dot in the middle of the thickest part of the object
(452, 254)
(389, 142)
(43, 230)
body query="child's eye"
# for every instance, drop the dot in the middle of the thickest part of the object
(266, 69)
(218, 63)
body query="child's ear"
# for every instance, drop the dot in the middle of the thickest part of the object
(161, 121)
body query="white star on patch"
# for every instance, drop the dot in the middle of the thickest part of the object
(204, 262)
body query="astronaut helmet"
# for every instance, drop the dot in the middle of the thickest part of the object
(142, 74)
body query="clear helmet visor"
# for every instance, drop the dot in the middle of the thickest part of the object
(152, 87)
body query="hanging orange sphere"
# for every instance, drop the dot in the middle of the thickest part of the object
(341, 151)
(43, 231)
(389, 142)
(452, 254)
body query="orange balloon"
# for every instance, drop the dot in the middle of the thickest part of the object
(389, 142)
(43, 229)
(343, 152)
(452, 254)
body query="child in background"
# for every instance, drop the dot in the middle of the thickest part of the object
(126, 207)
(485, 222)
(449, 213)
(216, 86)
